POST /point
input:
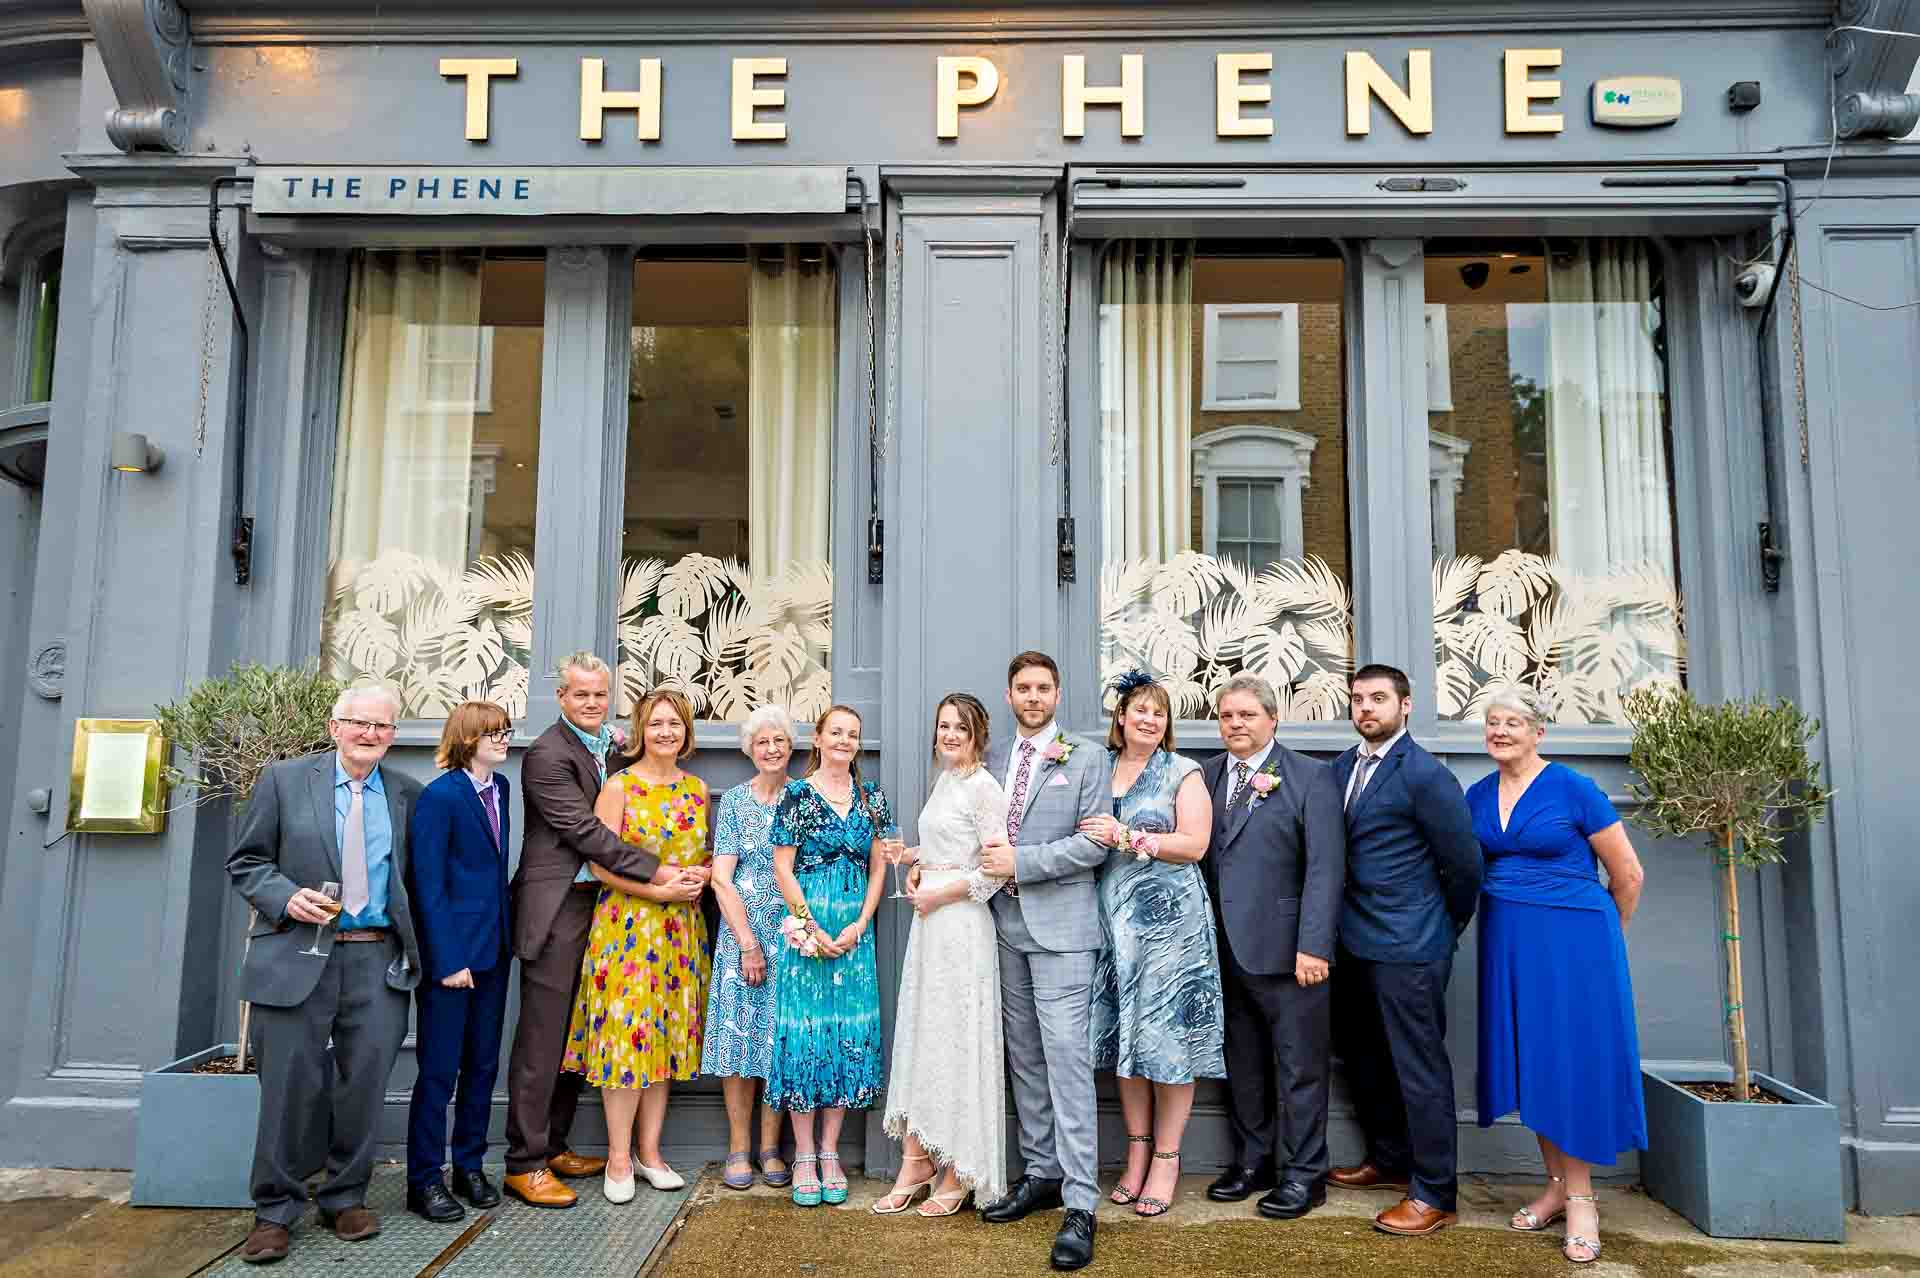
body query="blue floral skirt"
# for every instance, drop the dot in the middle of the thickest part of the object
(826, 1047)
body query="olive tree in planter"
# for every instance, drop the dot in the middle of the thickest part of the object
(194, 1144)
(1746, 1156)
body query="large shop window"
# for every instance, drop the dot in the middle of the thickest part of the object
(1223, 464)
(1550, 481)
(431, 579)
(727, 586)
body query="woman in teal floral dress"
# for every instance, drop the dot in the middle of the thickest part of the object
(828, 859)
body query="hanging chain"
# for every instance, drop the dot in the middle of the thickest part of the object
(206, 351)
(871, 243)
(1799, 351)
(1047, 354)
(893, 339)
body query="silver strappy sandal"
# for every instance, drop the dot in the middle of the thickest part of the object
(1580, 1240)
(1535, 1223)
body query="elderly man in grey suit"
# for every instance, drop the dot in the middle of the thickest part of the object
(1276, 869)
(1048, 917)
(329, 993)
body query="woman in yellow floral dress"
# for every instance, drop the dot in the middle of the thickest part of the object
(638, 1016)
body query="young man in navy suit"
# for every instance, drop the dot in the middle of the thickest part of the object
(1413, 879)
(459, 833)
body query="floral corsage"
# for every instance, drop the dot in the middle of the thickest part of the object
(1145, 844)
(1058, 750)
(800, 935)
(1264, 782)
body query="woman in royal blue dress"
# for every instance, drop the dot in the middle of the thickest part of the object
(829, 858)
(1557, 1035)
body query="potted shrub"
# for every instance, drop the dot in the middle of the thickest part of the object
(1743, 1155)
(194, 1143)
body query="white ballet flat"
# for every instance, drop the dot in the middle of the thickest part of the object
(617, 1191)
(660, 1177)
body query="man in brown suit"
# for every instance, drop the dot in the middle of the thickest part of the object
(553, 898)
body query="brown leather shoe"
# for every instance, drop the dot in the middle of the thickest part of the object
(1365, 1176)
(1412, 1218)
(538, 1188)
(265, 1244)
(355, 1224)
(572, 1165)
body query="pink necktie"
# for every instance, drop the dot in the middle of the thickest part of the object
(354, 893)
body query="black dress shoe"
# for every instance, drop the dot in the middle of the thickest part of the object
(434, 1202)
(1073, 1245)
(1237, 1184)
(1024, 1197)
(1293, 1199)
(476, 1189)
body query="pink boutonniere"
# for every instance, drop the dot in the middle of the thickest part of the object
(1058, 750)
(1263, 783)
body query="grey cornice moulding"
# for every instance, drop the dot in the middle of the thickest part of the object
(147, 49)
(1871, 71)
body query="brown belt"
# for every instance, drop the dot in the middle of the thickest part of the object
(363, 934)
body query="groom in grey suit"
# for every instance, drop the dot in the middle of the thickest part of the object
(329, 1025)
(1049, 922)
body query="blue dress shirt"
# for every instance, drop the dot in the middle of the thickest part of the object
(597, 746)
(378, 825)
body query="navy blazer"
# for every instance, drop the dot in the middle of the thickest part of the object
(1413, 862)
(459, 876)
(1275, 866)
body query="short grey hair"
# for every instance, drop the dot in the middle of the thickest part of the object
(762, 718)
(585, 662)
(365, 691)
(1529, 703)
(1254, 686)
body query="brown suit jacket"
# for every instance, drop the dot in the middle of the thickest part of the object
(560, 782)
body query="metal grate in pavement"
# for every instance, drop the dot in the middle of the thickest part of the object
(593, 1239)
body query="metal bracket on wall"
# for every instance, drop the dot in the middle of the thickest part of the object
(1770, 557)
(1067, 549)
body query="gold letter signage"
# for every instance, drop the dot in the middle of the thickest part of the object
(1523, 89)
(747, 95)
(950, 95)
(1367, 79)
(1130, 96)
(478, 71)
(596, 100)
(1230, 93)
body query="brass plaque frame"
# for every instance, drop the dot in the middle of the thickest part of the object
(104, 754)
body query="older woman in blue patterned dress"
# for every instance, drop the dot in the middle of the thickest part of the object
(739, 1046)
(829, 858)
(1159, 1020)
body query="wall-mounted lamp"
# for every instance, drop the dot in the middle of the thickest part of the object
(133, 455)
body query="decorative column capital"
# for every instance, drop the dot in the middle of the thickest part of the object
(147, 49)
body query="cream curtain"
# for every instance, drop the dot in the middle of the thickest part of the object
(402, 476)
(792, 302)
(1146, 397)
(1606, 454)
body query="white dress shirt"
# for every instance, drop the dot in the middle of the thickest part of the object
(1377, 753)
(1254, 762)
(1041, 740)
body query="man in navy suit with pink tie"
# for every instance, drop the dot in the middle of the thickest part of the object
(459, 832)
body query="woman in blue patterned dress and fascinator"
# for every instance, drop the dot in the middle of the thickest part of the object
(1158, 1014)
(830, 839)
(739, 1044)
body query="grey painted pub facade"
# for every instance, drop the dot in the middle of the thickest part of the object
(1207, 336)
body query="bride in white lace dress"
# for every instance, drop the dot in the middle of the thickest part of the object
(946, 1093)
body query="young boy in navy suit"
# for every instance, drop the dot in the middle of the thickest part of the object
(459, 834)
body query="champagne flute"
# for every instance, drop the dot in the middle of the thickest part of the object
(332, 892)
(896, 850)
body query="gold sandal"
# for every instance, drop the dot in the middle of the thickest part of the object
(1580, 1240)
(1535, 1224)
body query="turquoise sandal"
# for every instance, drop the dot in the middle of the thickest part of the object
(833, 1189)
(804, 1170)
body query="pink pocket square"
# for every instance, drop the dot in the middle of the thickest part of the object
(1058, 778)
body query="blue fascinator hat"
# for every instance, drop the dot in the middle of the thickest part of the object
(1126, 683)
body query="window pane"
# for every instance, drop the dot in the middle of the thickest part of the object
(431, 580)
(1251, 379)
(1552, 487)
(1178, 596)
(45, 331)
(1244, 337)
(727, 591)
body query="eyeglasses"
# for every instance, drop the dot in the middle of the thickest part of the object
(366, 725)
(502, 737)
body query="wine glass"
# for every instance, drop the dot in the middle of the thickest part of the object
(332, 892)
(896, 850)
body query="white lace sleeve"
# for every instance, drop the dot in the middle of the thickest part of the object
(987, 806)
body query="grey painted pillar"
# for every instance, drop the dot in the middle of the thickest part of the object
(970, 563)
(114, 985)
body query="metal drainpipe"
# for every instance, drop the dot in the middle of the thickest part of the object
(242, 544)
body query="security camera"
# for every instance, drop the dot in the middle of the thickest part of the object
(1753, 284)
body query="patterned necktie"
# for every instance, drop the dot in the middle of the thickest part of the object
(1017, 804)
(1362, 770)
(1240, 771)
(354, 893)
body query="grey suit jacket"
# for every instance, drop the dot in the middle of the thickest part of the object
(1278, 868)
(1054, 864)
(287, 842)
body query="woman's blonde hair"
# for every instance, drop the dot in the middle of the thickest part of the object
(460, 739)
(643, 710)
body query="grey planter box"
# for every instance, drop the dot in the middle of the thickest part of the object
(194, 1144)
(1744, 1171)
